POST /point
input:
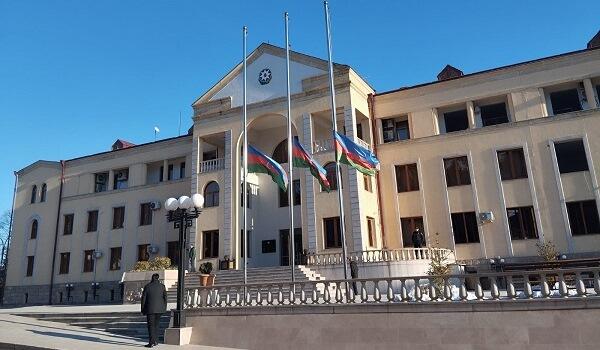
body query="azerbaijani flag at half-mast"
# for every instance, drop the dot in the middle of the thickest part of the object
(259, 162)
(358, 157)
(302, 159)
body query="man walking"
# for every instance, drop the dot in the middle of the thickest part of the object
(154, 304)
(418, 240)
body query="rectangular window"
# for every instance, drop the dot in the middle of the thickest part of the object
(65, 259)
(242, 240)
(457, 171)
(209, 155)
(145, 214)
(248, 196)
(143, 253)
(521, 222)
(494, 114)
(371, 231)
(395, 130)
(583, 217)
(210, 244)
(68, 225)
(92, 223)
(283, 196)
(456, 121)
(88, 261)
(173, 252)
(367, 182)
(464, 227)
(409, 225)
(100, 182)
(161, 175)
(407, 178)
(333, 238)
(269, 246)
(512, 164)
(115, 258)
(359, 131)
(170, 172)
(121, 179)
(565, 101)
(571, 156)
(118, 217)
(30, 260)
(182, 170)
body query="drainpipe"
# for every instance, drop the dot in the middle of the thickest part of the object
(8, 238)
(62, 180)
(371, 103)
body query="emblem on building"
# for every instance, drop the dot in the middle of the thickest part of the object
(264, 77)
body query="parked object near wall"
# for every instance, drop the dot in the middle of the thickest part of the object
(207, 279)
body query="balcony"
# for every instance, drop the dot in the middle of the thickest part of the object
(326, 145)
(209, 166)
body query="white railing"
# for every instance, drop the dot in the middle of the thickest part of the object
(326, 145)
(208, 166)
(482, 287)
(385, 255)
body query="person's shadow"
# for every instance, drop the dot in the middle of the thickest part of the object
(82, 337)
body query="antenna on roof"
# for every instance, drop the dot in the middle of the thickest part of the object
(156, 131)
(179, 123)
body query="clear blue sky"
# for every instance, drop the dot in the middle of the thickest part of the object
(76, 75)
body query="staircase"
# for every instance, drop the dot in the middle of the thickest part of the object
(278, 274)
(124, 324)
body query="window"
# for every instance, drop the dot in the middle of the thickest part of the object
(367, 182)
(408, 227)
(121, 179)
(248, 195)
(30, 260)
(43, 193)
(571, 156)
(145, 214)
(92, 223)
(457, 171)
(170, 172)
(33, 194)
(283, 195)
(115, 258)
(68, 225)
(243, 241)
(456, 121)
(143, 253)
(210, 244)
(211, 195)
(34, 229)
(331, 175)
(100, 182)
(161, 174)
(88, 261)
(494, 114)
(407, 178)
(359, 131)
(464, 227)
(371, 231)
(521, 222)
(182, 170)
(395, 130)
(209, 155)
(65, 259)
(583, 217)
(269, 246)
(512, 164)
(118, 217)
(565, 101)
(280, 154)
(173, 252)
(333, 233)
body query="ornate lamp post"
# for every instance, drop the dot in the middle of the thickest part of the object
(181, 212)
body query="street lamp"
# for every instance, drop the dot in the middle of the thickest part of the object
(182, 211)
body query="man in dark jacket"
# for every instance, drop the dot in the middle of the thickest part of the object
(154, 304)
(418, 239)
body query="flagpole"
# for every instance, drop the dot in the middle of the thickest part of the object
(290, 189)
(245, 173)
(334, 121)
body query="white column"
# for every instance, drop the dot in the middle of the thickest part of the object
(192, 170)
(354, 233)
(471, 114)
(589, 93)
(228, 191)
(309, 217)
(111, 180)
(165, 171)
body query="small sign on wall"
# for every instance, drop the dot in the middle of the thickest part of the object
(269, 246)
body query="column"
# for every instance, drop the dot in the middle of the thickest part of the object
(471, 114)
(111, 180)
(165, 170)
(228, 190)
(352, 198)
(192, 169)
(589, 93)
(309, 219)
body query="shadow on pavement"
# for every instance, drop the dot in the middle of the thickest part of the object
(81, 337)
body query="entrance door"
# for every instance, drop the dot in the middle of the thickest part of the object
(284, 246)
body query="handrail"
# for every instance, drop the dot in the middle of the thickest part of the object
(382, 255)
(211, 165)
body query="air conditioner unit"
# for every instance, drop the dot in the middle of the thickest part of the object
(486, 217)
(101, 178)
(155, 205)
(153, 249)
(97, 254)
(122, 175)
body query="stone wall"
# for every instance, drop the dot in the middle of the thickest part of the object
(82, 293)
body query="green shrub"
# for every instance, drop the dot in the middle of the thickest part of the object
(206, 268)
(142, 266)
(160, 263)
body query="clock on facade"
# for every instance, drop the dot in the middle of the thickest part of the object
(264, 77)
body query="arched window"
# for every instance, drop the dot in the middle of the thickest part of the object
(43, 193)
(33, 193)
(331, 175)
(34, 229)
(211, 195)
(280, 154)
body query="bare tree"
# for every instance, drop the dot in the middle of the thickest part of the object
(4, 232)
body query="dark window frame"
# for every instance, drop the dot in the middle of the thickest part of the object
(211, 194)
(100, 186)
(453, 119)
(407, 178)
(583, 217)
(408, 225)
(182, 170)
(43, 193)
(68, 221)
(331, 170)
(284, 197)
(568, 160)
(368, 183)
(88, 261)
(173, 252)
(65, 261)
(496, 118)
(335, 241)
(513, 169)
(210, 244)
(92, 221)
(458, 177)
(33, 233)
(30, 265)
(524, 227)
(142, 252)
(115, 259)
(464, 221)
(371, 231)
(395, 130)
(564, 95)
(145, 214)
(119, 184)
(33, 194)
(118, 218)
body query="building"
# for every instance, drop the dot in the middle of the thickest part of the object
(488, 164)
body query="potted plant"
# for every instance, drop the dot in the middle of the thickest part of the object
(207, 279)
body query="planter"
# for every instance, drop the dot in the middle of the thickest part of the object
(207, 280)
(134, 282)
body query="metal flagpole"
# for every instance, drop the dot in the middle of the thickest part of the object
(245, 180)
(290, 188)
(334, 121)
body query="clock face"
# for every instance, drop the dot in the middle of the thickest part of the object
(264, 77)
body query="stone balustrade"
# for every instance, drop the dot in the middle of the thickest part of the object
(208, 166)
(384, 255)
(482, 287)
